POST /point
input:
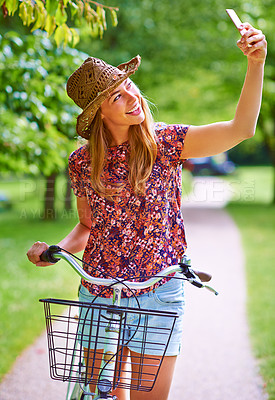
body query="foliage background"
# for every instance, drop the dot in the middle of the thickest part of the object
(191, 69)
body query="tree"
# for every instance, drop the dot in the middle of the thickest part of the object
(33, 74)
(56, 17)
(179, 39)
(263, 12)
(182, 39)
(37, 117)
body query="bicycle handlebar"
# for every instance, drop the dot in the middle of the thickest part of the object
(55, 253)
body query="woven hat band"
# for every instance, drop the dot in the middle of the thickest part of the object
(90, 79)
(104, 81)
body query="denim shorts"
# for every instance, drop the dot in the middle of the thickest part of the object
(168, 297)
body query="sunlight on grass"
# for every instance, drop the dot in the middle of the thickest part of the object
(255, 217)
(21, 283)
(256, 224)
(251, 185)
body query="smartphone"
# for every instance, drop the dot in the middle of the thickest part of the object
(235, 19)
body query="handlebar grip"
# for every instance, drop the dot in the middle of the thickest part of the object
(197, 284)
(48, 255)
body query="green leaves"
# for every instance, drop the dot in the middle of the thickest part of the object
(40, 16)
(37, 117)
(50, 25)
(11, 6)
(114, 17)
(52, 16)
(51, 6)
(60, 15)
(64, 34)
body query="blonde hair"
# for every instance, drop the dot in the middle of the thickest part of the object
(143, 152)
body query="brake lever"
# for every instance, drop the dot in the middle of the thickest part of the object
(194, 278)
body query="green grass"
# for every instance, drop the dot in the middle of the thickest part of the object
(186, 182)
(21, 283)
(255, 217)
(252, 185)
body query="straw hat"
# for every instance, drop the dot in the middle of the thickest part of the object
(92, 83)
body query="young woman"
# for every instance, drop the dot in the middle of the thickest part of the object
(127, 182)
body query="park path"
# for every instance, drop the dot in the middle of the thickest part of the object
(216, 361)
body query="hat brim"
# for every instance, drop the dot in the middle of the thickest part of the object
(84, 120)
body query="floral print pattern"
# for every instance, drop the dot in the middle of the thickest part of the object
(134, 236)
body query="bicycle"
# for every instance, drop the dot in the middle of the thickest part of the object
(98, 326)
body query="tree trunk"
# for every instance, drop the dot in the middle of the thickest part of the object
(68, 194)
(49, 210)
(269, 141)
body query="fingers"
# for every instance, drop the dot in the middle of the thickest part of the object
(249, 33)
(253, 42)
(245, 27)
(35, 252)
(256, 41)
(254, 38)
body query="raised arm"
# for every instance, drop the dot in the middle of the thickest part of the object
(207, 140)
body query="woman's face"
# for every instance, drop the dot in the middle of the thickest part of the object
(123, 108)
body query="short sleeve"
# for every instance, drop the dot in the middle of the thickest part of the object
(76, 173)
(171, 140)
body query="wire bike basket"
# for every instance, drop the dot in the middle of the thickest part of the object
(78, 331)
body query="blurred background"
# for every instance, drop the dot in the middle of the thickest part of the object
(192, 73)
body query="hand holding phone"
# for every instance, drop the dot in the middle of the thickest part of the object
(251, 37)
(235, 19)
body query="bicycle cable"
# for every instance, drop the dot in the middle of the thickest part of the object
(132, 291)
(118, 280)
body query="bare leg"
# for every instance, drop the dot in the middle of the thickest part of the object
(93, 366)
(94, 369)
(162, 385)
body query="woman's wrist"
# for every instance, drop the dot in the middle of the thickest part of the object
(255, 63)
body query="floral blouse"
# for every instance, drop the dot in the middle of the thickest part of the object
(135, 236)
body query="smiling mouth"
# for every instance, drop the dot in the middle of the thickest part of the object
(135, 110)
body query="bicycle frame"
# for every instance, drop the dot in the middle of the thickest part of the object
(112, 340)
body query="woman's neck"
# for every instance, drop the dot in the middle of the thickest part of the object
(118, 138)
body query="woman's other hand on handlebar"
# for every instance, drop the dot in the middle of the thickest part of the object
(35, 252)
